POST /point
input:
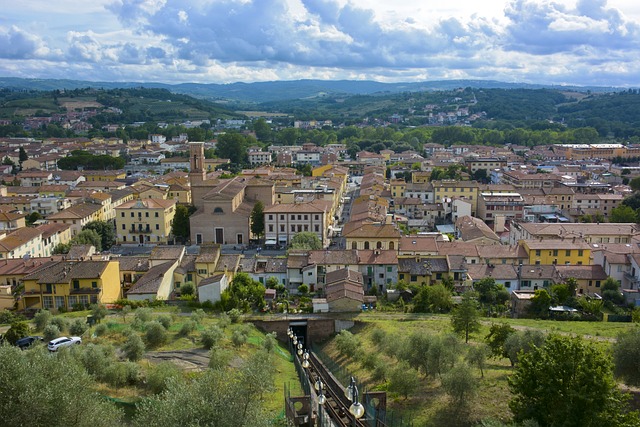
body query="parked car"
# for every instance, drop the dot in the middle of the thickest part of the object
(54, 345)
(27, 342)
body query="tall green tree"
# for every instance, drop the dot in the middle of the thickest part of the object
(465, 317)
(257, 219)
(262, 129)
(623, 214)
(180, 226)
(232, 146)
(568, 382)
(88, 237)
(105, 230)
(306, 240)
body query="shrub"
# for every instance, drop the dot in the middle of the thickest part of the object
(116, 375)
(16, 331)
(378, 337)
(347, 343)
(138, 324)
(158, 375)
(50, 332)
(459, 384)
(42, 319)
(8, 317)
(211, 337)
(198, 315)
(224, 321)
(155, 334)
(133, 347)
(101, 329)
(187, 327)
(403, 379)
(164, 320)
(98, 311)
(78, 327)
(238, 338)
(235, 315)
(270, 342)
(219, 358)
(144, 314)
(95, 358)
(60, 322)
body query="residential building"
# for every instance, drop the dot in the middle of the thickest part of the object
(78, 216)
(557, 252)
(283, 221)
(145, 221)
(67, 284)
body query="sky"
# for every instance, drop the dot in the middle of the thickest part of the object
(583, 42)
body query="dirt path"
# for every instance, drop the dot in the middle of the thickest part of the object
(196, 359)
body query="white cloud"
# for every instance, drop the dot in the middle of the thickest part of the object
(232, 40)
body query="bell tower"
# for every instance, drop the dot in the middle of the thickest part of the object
(197, 173)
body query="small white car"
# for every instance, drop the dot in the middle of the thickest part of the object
(63, 342)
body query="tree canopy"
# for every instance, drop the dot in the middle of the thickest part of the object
(83, 159)
(568, 382)
(306, 240)
(106, 232)
(257, 219)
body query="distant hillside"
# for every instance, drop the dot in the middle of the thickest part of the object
(261, 92)
(135, 104)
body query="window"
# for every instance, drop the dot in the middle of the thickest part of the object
(299, 217)
(281, 217)
(316, 217)
(401, 276)
(157, 226)
(310, 273)
(271, 228)
(537, 252)
(414, 278)
(84, 299)
(59, 302)
(122, 214)
(555, 252)
(132, 215)
(146, 214)
(76, 284)
(270, 217)
(316, 228)
(389, 269)
(580, 252)
(597, 283)
(293, 228)
(157, 215)
(47, 303)
(567, 252)
(124, 227)
(94, 284)
(507, 284)
(202, 271)
(306, 217)
(73, 300)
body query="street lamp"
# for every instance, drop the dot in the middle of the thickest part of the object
(356, 409)
(321, 397)
(305, 359)
(299, 348)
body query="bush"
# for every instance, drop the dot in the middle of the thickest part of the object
(100, 330)
(378, 337)
(116, 375)
(238, 338)
(211, 337)
(98, 311)
(235, 315)
(219, 358)
(144, 314)
(155, 334)
(138, 324)
(164, 320)
(78, 327)
(186, 328)
(16, 331)
(459, 384)
(95, 358)
(8, 317)
(50, 332)
(403, 379)
(198, 315)
(224, 321)
(42, 319)
(270, 342)
(158, 375)
(347, 343)
(133, 347)
(60, 322)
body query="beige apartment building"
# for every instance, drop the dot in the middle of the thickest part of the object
(284, 221)
(145, 221)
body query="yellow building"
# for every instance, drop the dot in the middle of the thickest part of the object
(372, 236)
(78, 216)
(398, 187)
(448, 189)
(108, 175)
(420, 177)
(23, 243)
(65, 284)
(558, 252)
(145, 221)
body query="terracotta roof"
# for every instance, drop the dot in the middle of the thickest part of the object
(344, 274)
(228, 263)
(471, 229)
(420, 268)
(581, 272)
(147, 204)
(18, 238)
(150, 282)
(419, 243)
(297, 261)
(79, 211)
(187, 264)
(162, 252)
(373, 231)
(330, 257)
(211, 279)
(496, 271)
(377, 257)
(133, 263)
(66, 271)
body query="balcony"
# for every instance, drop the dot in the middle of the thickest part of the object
(140, 229)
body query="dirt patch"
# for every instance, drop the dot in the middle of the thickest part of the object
(72, 105)
(188, 360)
